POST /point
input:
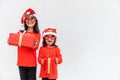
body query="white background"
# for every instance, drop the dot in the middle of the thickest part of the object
(88, 35)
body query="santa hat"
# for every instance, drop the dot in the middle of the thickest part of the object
(48, 31)
(28, 12)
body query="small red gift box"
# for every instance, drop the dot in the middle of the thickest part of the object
(19, 39)
(49, 65)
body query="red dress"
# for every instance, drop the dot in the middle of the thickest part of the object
(27, 56)
(49, 68)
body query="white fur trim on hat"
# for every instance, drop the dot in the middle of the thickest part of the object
(47, 33)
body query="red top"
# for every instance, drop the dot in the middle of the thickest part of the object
(46, 53)
(27, 56)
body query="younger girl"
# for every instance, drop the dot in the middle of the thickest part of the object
(49, 55)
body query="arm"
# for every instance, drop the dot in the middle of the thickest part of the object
(58, 57)
(41, 56)
(38, 36)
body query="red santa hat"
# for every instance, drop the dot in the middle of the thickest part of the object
(29, 12)
(48, 31)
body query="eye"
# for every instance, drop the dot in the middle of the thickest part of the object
(53, 36)
(46, 36)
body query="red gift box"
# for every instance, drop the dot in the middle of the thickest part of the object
(49, 65)
(19, 39)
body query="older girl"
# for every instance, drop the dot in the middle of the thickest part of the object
(27, 56)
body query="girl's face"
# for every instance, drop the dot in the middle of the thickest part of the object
(30, 22)
(49, 39)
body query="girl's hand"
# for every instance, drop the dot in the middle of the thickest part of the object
(35, 44)
(56, 60)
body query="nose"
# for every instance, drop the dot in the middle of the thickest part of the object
(30, 20)
(49, 38)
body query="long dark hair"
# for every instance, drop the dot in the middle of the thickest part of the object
(35, 29)
(44, 43)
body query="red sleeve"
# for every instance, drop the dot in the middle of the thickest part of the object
(38, 36)
(59, 56)
(40, 55)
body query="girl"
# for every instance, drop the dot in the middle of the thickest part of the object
(49, 55)
(27, 56)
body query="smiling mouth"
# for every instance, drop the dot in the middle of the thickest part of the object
(49, 41)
